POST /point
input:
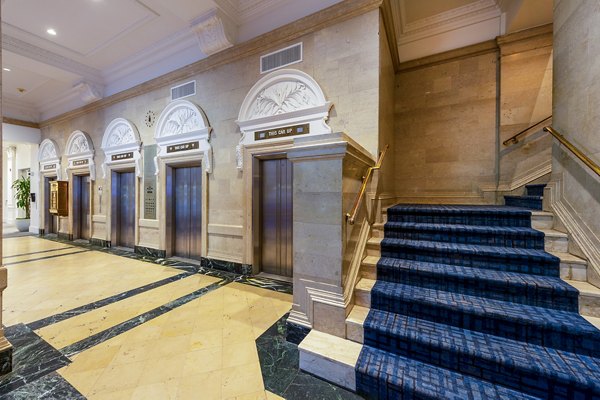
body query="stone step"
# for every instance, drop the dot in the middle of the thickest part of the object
(374, 246)
(355, 324)
(572, 267)
(542, 220)
(555, 240)
(377, 230)
(460, 214)
(362, 292)
(593, 320)
(368, 268)
(330, 357)
(589, 298)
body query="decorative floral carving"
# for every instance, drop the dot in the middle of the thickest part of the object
(48, 152)
(182, 120)
(121, 134)
(281, 98)
(79, 145)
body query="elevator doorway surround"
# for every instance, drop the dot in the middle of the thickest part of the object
(184, 211)
(123, 208)
(272, 197)
(81, 207)
(50, 220)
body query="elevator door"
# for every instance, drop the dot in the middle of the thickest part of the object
(50, 220)
(186, 232)
(124, 208)
(81, 206)
(276, 216)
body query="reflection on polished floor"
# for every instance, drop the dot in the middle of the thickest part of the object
(90, 324)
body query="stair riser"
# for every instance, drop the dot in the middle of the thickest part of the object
(373, 250)
(525, 203)
(537, 383)
(513, 263)
(530, 295)
(542, 222)
(362, 298)
(461, 237)
(534, 190)
(556, 244)
(573, 271)
(368, 271)
(505, 327)
(463, 219)
(589, 305)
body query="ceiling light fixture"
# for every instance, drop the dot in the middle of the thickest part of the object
(51, 31)
(6, 69)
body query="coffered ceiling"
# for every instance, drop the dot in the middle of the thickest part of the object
(102, 47)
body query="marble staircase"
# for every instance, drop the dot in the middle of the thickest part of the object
(437, 299)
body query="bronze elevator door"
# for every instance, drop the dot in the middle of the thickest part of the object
(186, 231)
(81, 207)
(276, 255)
(124, 196)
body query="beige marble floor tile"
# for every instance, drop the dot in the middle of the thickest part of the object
(272, 396)
(39, 257)
(77, 328)
(28, 244)
(39, 289)
(217, 359)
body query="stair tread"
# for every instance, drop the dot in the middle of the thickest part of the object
(358, 314)
(473, 344)
(539, 281)
(457, 209)
(553, 233)
(374, 241)
(593, 320)
(568, 257)
(462, 227)
(524, 197)
(538, 213)
(585, 288)
(365, 284)
(412, 376)
(370, 260)
(470, 248)
(331, 347)
(563, 321)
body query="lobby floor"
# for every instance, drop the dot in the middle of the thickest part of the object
(90, 323)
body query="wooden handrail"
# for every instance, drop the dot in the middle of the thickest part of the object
(515, 139)
(578, 153)
(350, 217)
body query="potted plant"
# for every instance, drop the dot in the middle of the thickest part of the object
(22, 187)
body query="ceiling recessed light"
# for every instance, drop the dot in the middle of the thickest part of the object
(51, 31)
(6, 69)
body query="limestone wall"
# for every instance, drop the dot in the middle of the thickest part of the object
(344, 60)
(454, 110)
(576, 110)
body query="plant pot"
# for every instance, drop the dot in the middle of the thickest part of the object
(22, 224)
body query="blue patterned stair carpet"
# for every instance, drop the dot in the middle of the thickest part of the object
(532, 198)
(468, 305)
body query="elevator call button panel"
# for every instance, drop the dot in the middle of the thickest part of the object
(59, 198)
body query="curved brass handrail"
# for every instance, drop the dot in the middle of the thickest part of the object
(585, 159)
(515, 139)
(350, 217)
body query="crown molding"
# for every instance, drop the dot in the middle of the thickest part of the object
(337, 13)
(20, 47)
(479, 11)
(19, 122)
(19, 109)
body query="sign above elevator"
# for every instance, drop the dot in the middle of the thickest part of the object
(49, 166)
(183, 147)
(77, 163)
(122, 156)
(293, 130)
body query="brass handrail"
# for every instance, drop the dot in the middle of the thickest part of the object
(515, 139)
(352, 215)
(585, 159)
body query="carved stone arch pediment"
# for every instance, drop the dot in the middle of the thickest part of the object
(286, 97)
(80, 152)
(49, 157)
(121, 144)
(183, 123)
